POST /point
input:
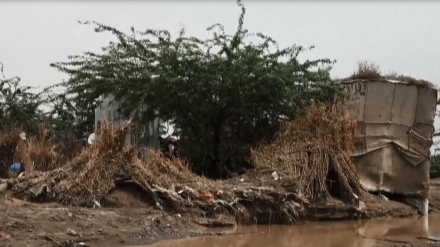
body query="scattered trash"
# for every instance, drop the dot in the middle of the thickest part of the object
(275, 176)
(5, 236)
(71, 232)
(22, 136)
(355, 196)
(241, 180)
(97, 203)
(159, 206)
(383, 197)
(91, 139)
(15, 167)
(80, 244)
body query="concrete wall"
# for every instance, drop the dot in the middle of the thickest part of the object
(108, 111)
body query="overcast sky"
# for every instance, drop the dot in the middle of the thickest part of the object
(402, 37)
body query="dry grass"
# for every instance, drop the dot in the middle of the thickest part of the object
(38, 153)
(310, 148)
(9, 140)
(371, 71)
(87, 177)
(408, 79)
(366, 70)
(160, 170)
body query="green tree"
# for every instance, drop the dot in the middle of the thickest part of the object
(435, 166)
(67, 117)
(223, 94)
(19, 107)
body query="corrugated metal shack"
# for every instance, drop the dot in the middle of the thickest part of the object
(395, 131)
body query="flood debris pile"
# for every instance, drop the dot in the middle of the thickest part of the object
(314, 150)
(168, 182)
(91, 176)
(162, 171)
(307, 152)
(83, 180)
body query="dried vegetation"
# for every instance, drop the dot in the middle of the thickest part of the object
(38, 153)
(313, 149)
(371, 71)
(307, 151)
(9, 140)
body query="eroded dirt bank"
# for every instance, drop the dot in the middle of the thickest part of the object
(129, 220)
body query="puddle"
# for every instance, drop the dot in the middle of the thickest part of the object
(325, 234)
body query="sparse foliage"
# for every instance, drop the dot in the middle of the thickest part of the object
(18, 105)
(435, 166)
(366, 70)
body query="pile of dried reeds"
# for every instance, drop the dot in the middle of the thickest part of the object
(167, 183)
(157, 169)
(87, 177)
(312, 147)
(92, 175)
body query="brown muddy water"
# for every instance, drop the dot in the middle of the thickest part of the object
(363, 233)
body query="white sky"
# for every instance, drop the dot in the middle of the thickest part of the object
(401, 36)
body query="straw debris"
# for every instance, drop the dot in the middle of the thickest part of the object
(168, 184)
(38, 153)
(305, 154)
(92, 175)
(312, 150)
(85, 179)
(371, 72)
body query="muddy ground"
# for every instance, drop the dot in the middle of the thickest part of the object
(126, 219)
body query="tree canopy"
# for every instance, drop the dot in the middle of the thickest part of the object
(223, 94)
(18, 105)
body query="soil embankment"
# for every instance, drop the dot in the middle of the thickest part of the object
(130, 221)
